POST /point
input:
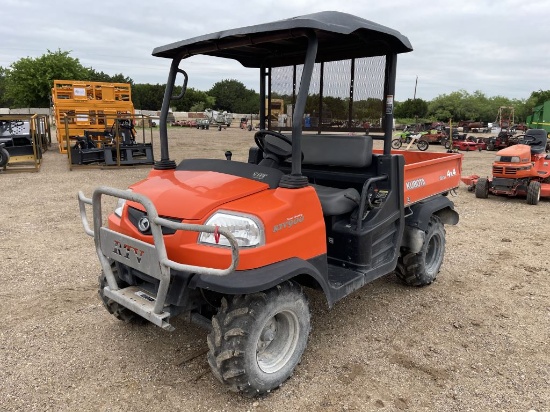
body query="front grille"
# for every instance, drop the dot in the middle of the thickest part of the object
(501, 170)
(135, 215)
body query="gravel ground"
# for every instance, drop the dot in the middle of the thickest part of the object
(475, 340)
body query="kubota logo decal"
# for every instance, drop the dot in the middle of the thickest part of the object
(127, 251)
(291, 221)
(415, 184)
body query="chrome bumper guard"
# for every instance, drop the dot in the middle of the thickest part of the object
(150, 259)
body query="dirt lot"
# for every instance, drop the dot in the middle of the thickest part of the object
(475, 340)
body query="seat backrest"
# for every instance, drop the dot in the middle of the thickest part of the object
(337, 150)
(537, 139)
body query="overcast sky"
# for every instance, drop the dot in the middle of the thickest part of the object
(500, 47)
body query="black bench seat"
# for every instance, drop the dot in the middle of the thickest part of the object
(348, 151)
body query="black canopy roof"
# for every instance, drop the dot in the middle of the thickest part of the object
(281, 43)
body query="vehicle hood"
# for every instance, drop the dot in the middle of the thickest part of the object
(523, 151)
(192, 195)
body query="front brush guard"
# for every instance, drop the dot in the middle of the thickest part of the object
(151, 259)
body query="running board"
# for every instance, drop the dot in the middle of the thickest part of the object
(140, 302)
(343, 281)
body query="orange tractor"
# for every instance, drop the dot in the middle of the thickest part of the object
(519, 170)
(232, 245)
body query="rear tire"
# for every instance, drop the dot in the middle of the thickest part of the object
(396, 143)
(422, 145)
(482, 188)
(118, 311)
(421, 269)
(533, 193)
(258, 339)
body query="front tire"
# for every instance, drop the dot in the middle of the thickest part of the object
(533, 193)
(421, 269)
(482, 188)
(258, 339)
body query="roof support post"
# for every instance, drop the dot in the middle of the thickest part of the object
(295, 180)
(389, 94)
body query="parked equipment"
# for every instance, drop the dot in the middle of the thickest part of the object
(23, 140)
(410, 139)
(504, 139)
(540, 119)
(202, 123)
(520, 170)
(467, 144)
(221, 120)
(435, 135)
(231, 245)
(114, 146)
(82, 105)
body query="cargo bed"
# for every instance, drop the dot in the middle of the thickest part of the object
(429, 173)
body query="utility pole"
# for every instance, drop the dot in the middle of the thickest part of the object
(415, 84)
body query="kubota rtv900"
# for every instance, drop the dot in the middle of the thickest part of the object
(232, 245)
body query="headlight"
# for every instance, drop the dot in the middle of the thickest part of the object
(507, 159)
(120, 205)
(248, 231)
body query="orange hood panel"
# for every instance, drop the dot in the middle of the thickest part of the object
(191, 195)
(520, 150)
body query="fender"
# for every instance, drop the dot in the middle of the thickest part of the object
(416, 222)
(260, 279)
(439, 205)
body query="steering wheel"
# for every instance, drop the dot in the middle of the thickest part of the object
(270, 148)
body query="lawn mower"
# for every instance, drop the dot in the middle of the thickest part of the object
(466, 144)
(519, 170)
(504, 139)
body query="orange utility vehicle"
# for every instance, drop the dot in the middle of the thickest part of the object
(231, 245)
(519, 170)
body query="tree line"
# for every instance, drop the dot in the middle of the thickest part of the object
(28, 82)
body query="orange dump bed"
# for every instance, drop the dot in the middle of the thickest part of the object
(429, 173)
